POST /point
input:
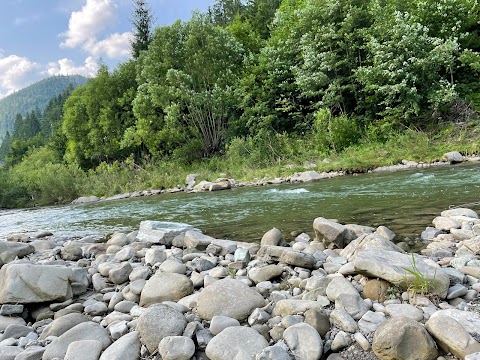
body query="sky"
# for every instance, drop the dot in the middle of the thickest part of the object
(42, 38)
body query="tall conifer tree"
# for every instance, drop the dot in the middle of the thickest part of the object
(142, 21)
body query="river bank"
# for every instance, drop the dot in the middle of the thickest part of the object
(192, 185)
(168, 289)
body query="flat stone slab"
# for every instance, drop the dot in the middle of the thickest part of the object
(18, 248)
(161, 232)
(392, 265)
(28, 283)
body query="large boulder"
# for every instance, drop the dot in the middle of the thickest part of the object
(392, 266)
(17, 248)
(161, 232)
(239, 343)
(28, 283)
(158, 322)
(307, 176)
(368, 241)
(84, 331)
(454, 157)
(330, 232)
(164, 286)
(228, 297)
(460, 212)
(451, 336)
(403, 339)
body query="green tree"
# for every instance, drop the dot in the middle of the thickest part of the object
(186, 87)
(5, 147)
(142, 21)
(222, 12)
(269, 97)
(406, 72)
(97, 115)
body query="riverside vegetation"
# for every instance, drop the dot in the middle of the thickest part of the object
(168, 291)
(255, 89)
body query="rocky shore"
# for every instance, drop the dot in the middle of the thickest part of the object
(191, 184)
(167, 291)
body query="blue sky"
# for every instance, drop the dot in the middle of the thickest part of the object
(41, 38)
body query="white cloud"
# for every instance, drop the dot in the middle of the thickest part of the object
(84, 25)
(68, 67)
(15, 73)
(115, 46)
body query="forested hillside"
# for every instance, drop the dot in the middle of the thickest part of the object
(259, 84)
(35, 96)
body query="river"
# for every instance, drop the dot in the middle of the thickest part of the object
(405, 201)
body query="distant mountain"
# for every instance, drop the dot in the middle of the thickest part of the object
(34, 96)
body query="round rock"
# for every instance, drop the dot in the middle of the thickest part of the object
(176, 348)
(240, 343)
(165, 287)
(228, 297)
(304, 341)
(158, 322)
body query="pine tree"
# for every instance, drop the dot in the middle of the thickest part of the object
(143, 23)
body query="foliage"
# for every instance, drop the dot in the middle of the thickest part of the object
(255, 88)
(186, 90)
(34, 96)
(142, 22)
(44, 180)
(417, 282)
(335, 132)
(96, 116)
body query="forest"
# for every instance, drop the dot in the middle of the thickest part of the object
(32, 97)
(252, 86)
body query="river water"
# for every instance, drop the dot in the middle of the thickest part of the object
(405, 201)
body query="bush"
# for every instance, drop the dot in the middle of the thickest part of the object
(46, 181)
(335, 133)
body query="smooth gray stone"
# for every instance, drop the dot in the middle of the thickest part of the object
(61, 325)
(371, 321)
(219, 323)
(304, 341)
(28, 283)
(165, 287)
(126, 348)
(176, 348)
(228, 297)
(31, 353)
(83, 331)
(391, 265)
(84, 350)
(161, 232)
(239, 343)
(157, 322)
(274, 352)
(456, 291)
(15, 331)
(10, 309)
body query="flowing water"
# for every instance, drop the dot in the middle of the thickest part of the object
(405, 201)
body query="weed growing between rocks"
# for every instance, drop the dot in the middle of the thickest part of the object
(420, 284)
